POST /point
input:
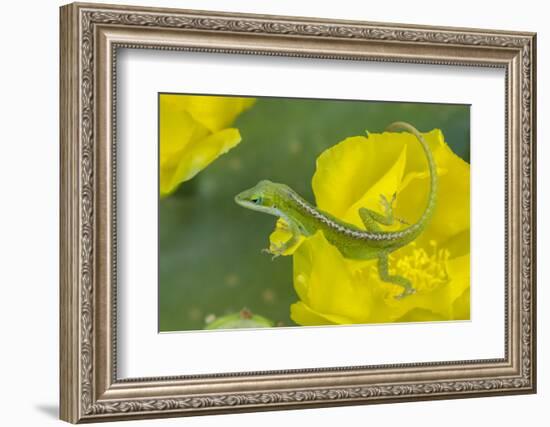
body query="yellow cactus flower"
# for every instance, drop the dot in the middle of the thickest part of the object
(194, 131)
(353, 174)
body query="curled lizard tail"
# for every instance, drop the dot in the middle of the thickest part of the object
(417, 228)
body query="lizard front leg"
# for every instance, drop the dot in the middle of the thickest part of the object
(281, 248)
(383, 272)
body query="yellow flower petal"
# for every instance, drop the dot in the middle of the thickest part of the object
(346, 171)
(325, 285)
(420, 315)
(216, 112)
(387, 185)
(199, 154)
(177, 128)
(301, 314)
(458, 244)
(193, 133)
(461, 306)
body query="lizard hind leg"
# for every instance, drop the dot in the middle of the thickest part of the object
(383, 272)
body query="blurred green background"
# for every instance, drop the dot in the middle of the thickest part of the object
(210, 260)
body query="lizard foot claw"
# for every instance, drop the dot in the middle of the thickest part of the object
(274, 253)
(402, 221)
(406, 293)
(388, 203)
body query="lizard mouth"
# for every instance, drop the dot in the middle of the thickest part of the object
(242, 200)
(245, 201)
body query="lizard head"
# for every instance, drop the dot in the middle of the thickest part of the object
(265, 196)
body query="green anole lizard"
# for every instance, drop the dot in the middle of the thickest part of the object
(303, 219)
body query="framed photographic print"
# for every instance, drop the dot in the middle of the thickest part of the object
(265, 212)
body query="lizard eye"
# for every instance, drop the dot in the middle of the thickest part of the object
(256, 200)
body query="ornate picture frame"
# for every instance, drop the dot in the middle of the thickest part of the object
(90, 37)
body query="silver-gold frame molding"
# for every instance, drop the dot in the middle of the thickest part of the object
(90, 37)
